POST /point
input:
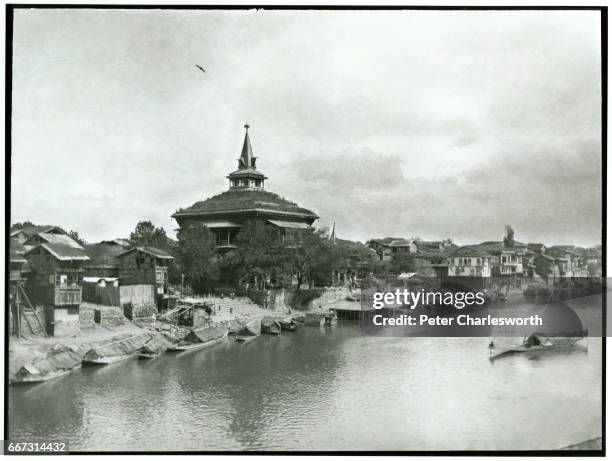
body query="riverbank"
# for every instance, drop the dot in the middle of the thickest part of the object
(237, 311)
(229, 312)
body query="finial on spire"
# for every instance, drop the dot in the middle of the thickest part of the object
(247, 126)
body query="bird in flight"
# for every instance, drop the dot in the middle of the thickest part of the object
(201, 68)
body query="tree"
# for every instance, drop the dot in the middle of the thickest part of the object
(195, 255)
(260, 255)
(314, 257)
(146, 234)
(74, 235)
(509, 237)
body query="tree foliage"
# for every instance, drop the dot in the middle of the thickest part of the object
(196, 257)
(74, 235)
(146, 234)
(260, 256)
(282, 257)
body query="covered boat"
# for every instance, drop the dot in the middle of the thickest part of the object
(116, 351)
(287, 324)
(200, 338)
(250, 331)
(155, 347)
(57, 363)
(270, 326)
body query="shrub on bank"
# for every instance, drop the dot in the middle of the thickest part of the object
(300, 299)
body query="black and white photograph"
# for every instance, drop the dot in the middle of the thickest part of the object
(305, 229)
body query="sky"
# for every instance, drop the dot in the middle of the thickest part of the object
(427, 124)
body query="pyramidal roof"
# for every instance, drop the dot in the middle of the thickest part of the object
(246, 160)
(241, 201)
(247, 163)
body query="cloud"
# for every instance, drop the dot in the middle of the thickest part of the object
(388, 122)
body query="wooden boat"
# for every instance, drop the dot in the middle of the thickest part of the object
(270, 326)
(249, 332)
(147, 355)
(287, 324)
(200, 338)
(535, 344)
(117, 351)
(28, 374)
(106, 360)
(153, 348)
(299, 319)
(196, 346)
(58, 362)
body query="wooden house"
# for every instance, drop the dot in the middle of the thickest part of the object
(19, 235)
(17, 262)
(55, 282)
(104, 261)
(143, 267)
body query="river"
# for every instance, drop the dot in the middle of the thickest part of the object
(322, 389)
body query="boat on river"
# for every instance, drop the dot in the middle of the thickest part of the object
(249, 332)
(287, 324)
(106, 360)
(116, 351)
(58, 362)
(536, 344)
(28, 374)
(200, 338)
(270, 326)
(153, 348)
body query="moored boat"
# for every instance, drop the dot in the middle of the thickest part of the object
(249, 332)
(29, 374)
(117, 351)
(287, 324)
(106, 360)
(270, 326)
(200, 338)
(299, 319)
(155, 347)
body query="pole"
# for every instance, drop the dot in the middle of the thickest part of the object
(182, 283)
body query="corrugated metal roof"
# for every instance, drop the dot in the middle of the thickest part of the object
(400, 243)
(63, 252)
(289, 224)
(60, 239)
(151, 251)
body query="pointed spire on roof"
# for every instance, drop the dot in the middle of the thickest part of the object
(247, 160)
